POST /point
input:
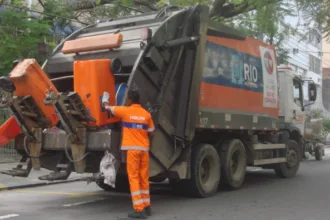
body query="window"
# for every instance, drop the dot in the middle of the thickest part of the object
(297, 92)
(314, 37)
(314, 64)
(305, 73)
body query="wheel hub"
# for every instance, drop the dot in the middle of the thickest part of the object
(234, 162)
(291, 158)
(205, 170)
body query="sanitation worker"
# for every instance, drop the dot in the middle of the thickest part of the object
(136, 124)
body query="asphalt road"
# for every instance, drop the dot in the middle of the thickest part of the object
(263, 197)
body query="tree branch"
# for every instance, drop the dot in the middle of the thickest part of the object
(217, 7)
(90, 4)
(231, 10)
(41, 3)
(147, 3)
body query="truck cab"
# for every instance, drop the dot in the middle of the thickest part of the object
(292, 102)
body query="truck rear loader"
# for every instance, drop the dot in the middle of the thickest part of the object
(212, 91)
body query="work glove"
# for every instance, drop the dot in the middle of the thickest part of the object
(105, 98)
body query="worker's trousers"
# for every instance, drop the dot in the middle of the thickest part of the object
(138, 176)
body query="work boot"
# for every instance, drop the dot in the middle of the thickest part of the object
(148, 210)
(140, 215)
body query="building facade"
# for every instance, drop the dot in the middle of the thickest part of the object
(326, 72)
(326, 88)
(305, 54)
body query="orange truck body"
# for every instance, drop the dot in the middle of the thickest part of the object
(91, 79)
(30, 79)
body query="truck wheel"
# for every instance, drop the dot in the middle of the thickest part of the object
(234, 160)
(303, 152)
(290, 168)
(318, 153)
(205, 172)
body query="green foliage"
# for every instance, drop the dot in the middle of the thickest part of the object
(63, 20)
(266, 23)
(162, 3)
(114, 10)
(316, 11)
(326, 124)
(262, 19)
(314, 114)
(20, 36)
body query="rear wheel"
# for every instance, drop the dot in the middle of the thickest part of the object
(205, 172)
(318, 153)
(234, 160)
(293, 156)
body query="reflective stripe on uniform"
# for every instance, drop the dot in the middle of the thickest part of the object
(140, 201)
(146, 200)
(136, 193)
(134, 125)
(135, 148)
(145, 192)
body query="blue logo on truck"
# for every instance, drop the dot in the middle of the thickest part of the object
(228, 67)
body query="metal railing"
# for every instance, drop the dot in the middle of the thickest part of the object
(7, 153)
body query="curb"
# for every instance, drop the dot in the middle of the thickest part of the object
(5, 188)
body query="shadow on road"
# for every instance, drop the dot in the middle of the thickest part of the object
(252, 179)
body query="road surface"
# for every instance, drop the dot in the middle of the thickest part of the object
(263, 196)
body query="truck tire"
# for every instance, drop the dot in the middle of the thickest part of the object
(234, 162)
(205, 172)
(318, 153)
(290, 168)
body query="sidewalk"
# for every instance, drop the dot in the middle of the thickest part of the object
(11, 183)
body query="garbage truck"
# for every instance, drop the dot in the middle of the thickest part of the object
(308, 125)
(212, 91)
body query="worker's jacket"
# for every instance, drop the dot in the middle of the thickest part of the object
(136, 123)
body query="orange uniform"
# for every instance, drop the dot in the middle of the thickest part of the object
(136, 123)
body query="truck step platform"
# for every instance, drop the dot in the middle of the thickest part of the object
(62, 171)
(55, 176)
(19, 171)
(269, 161)
(268, 146)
